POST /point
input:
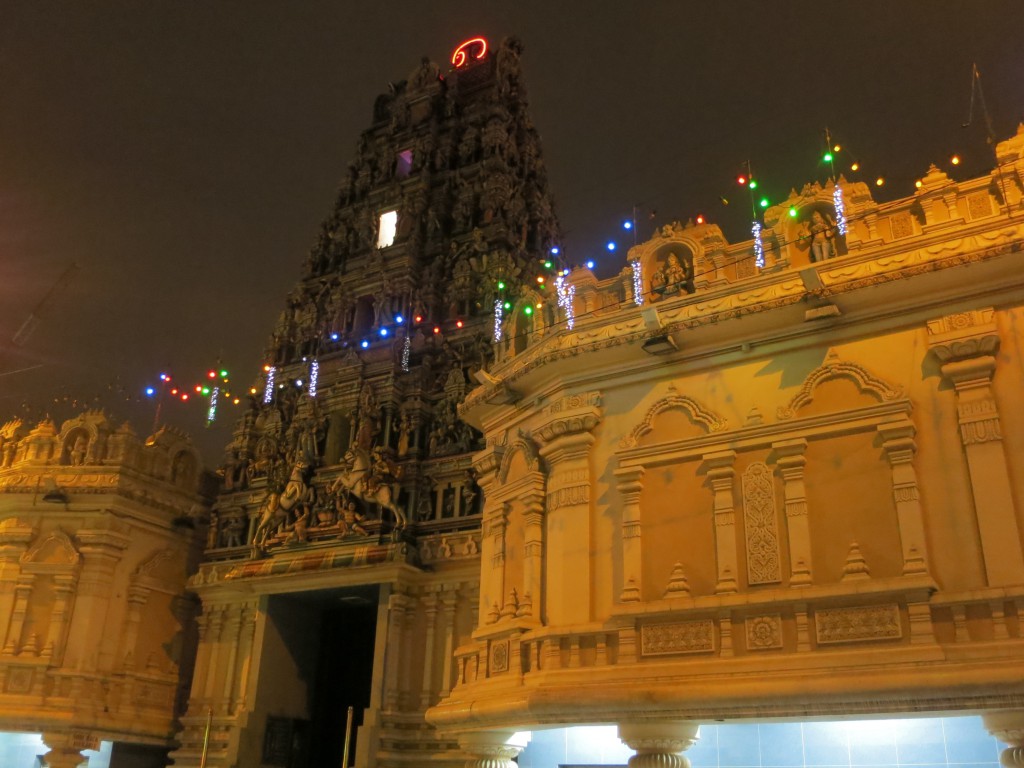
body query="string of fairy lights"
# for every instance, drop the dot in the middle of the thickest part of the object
(552, 271)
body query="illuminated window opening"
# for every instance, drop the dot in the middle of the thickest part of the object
(388, 228)
(403, 164)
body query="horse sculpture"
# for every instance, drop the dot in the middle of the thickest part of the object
(276, 508)
(356, 482)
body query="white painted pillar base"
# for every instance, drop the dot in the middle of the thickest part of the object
(659, 745)
(1008, 727)
(493, 749)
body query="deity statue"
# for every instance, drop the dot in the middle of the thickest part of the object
(822, 234)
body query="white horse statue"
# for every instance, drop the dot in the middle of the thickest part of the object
(275, 509)
(355, 481)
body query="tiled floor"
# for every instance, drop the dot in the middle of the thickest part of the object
(949, 742)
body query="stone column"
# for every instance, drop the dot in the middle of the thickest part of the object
(790, 461)
(1008, 727)
(101, 549)
(533, 551)
(899, 446)
(493, 749)
(213, 638)
(202, 659)
(64, 752)
(659, 745)
(630, 485)
(566, 447)
(449, 601)
(966, 345)
(63, 591)
(397, 605)
(232, 636)
(22, 592)
(492, 532)
(137, 598)
(247, 635)
(720, 472)
(14, 540)
(429, 602)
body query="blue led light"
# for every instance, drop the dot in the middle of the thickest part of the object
(555, 250)
(334, 337)
(399, 319)
(383, 331)
(150, 391)
(590, 264)
(627, 225)
(610, 246)
(364, 343)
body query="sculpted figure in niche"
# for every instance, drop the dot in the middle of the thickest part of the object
(78, 451)
(674, 277)
(232, 532)
(822, 234)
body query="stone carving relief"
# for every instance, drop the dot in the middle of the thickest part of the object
(764, 632)
(677, 638)
(760, 525)
(853, 625)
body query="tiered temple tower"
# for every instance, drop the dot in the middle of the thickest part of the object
(350, 476)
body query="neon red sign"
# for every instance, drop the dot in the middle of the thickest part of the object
(474, 49)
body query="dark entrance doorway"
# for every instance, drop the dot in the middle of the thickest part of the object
(344, 672)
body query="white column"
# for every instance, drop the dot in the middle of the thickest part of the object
(493, 749)
(659, 745)
(1008, 727)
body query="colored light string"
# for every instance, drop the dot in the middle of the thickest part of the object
(638, 282)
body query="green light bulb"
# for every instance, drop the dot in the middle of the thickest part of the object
(501, 286)
(764, 202)
(792, 212)
(507, 305)
(753, 184)
(223, 374)
(547, 264)
(828, 157)
(527, 310)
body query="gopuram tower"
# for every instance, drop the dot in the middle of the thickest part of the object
(343, 551)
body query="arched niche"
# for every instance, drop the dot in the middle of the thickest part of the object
(836, 370)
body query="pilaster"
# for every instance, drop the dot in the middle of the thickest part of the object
(966, 344)
(630, 485)
(566, 440)
(899, 446)
(720, 470)
(790, 459)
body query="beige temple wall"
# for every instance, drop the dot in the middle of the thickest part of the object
(96, 543)
(796, 492)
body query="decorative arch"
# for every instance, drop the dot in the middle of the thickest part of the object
(834, 368)
(697, 412)
(527, 449)
(56, 552)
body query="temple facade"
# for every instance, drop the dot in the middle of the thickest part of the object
(480, 493)
(97, 538)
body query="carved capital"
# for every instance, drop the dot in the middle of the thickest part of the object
(964, 335)
(658, 745)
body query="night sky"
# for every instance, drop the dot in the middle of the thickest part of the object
(183, 153)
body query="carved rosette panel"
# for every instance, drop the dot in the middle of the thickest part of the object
(499, 656)
(854, 625)
(764, 632)
(761, 526)
(678, 637)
